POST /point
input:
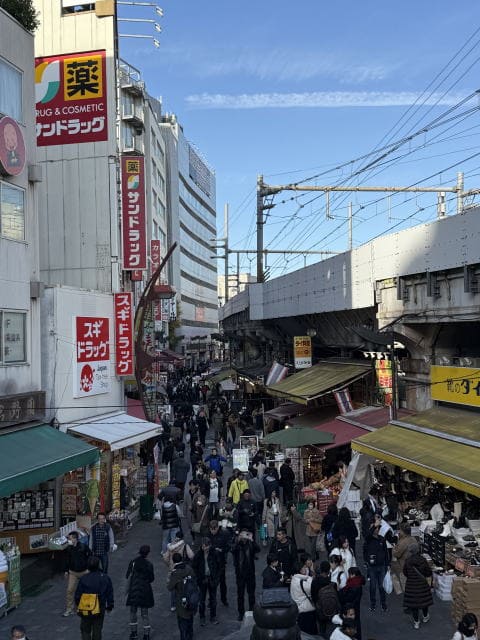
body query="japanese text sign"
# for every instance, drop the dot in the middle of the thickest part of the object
(383, 369)
(71, 98)
(154, 254)
(460, 385)
(92, 344)
(302, 351)
(133, 213)
(124, 333)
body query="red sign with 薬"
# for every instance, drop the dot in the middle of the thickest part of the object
(123, 304)
(71, 98)
(133, 213)
(92, 344)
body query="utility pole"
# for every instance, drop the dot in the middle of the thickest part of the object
(260, 274)
(350, 226)
(225, 212)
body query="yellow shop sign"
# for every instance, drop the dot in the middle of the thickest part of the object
(460, 385)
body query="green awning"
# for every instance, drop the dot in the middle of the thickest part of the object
(318, 380)
(37, 454)
(459, 423)
(450, 463)
(223, 374)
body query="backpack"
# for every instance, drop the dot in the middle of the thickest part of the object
(330, 533)
(328, 603)
(89, 605)
(190, 594)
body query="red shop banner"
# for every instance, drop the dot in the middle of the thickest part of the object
(154, 254)
(133, 213)
(92, 344)
(71, 98)
(123, 305)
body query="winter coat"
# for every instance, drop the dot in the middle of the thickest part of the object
(246, 514)
(237, 487)
(270, 481)
(140, 594)
(339, 577)
(375, 551)
(180, 469)
(352, 593)
(76, 557)
(99, 583)
(287, 477)
(188, 504)
(287, 555)
(271, 578)
(180, 547)
(215, 463)
(297, 529)
(312, 515)
(347, 529)
(170, 515)
(268, 517)
(256, 489)
(401, 551)
(170, 492)
(418, 594)
(244, 557)
(302, 597)
(347, 557)
(175, 583)
(214, 565)
(198, 508)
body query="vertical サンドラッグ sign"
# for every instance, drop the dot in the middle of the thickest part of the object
(133, 213)
(92, 345)
(123, 309)
(71, 98)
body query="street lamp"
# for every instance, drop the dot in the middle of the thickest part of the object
(156, 43)
(158, 10)
(156, 26)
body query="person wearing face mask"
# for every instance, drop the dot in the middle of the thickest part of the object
(75, 566)
(313, 520)
(467, 628)
(18, 632)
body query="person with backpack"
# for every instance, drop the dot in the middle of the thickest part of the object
(300, 590)
(375, 554)
(206, 565)
(324, 596)
(140, 594)
(93, 596)
(181, 547)
(183, 585)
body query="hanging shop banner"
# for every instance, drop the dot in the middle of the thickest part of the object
(383, 370)
(136, 275)
(133, 213)
(302, 351)
(92, 344)
(123, 305)
(154, 255)
(71, 98)
(460, 385)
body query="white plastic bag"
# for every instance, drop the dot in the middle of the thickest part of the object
(157, 515)
(387, 583)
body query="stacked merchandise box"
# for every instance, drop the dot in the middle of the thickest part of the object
(465, 597)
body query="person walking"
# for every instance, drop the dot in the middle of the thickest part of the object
(206, 565)
(181, 547)
(214, 488)
(313, 521)
(102, 540)
(351, 595)
(272, 510)
(301, 592)
(418, 588)
(220, 539)
(237, 487)
(170, 519)
(200, 517)
(140, 594)
(214, 461)
(296, 527)
(467, 628)
(271, 575)
(286, 551)
(257, 491)
(324, 596)
(76, 559)
(247, 513)
(244, 562)
(345, 526)
(287, 480)
(375, 554)
(179, 470)
(405, 547)
(338, 574)
(202, 425)
(271, 480)
(328, 524)
(94, 582)
(343, 550)
(177, 584)
(218, 424)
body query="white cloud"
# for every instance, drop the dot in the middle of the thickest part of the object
(316, 99)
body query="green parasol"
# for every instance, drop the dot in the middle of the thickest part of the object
(299, 437)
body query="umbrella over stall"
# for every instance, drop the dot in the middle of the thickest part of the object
(299, 437)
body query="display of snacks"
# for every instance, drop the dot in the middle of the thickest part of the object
(27, 510)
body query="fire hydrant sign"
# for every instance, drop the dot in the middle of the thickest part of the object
(124, 334)
(92, 343)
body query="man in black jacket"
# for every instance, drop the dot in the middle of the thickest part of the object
(271, 574)
(180, 469)
(220, 540)
(176, 583)
(287, 480)
(76, 558)
(247, 513)
(286, 551)
(206, 565)
(375, 554)
(244, 561)
(100, 584)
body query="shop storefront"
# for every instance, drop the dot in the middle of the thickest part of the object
(124, 475)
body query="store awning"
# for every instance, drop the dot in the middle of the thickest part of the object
(228, 385)
(118, 430)
(343, 432)
(285, 411)
(254, 374)
(318, 380)
(450, 463)
(222, 375)
(37, 454)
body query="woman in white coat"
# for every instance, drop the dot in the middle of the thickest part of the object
(272, 515)
(343, 550)
(301, 592)
(338, 574)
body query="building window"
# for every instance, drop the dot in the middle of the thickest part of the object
(162, 183)
(128, 142)
(10, 91)
(12, 337)
(76, 6)
(12, 212)
(161, 210)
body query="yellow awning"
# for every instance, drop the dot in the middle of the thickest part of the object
(318, 380)
(450, 463)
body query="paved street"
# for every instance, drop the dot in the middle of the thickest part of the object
(42, 613)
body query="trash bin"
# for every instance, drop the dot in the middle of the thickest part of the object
(146, 507)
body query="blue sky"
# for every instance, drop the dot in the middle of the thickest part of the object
(291, 90)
